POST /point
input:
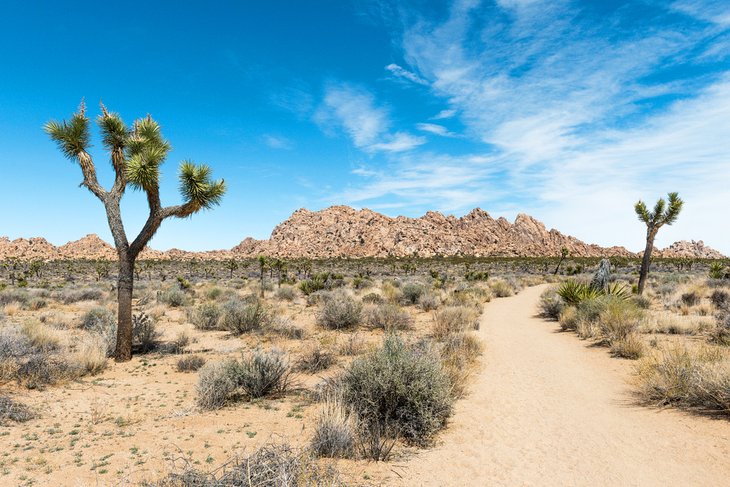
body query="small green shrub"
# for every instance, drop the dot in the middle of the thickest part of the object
(206, 316)
(551, 304)
(389, 317)
(174, 297)
(412, 292)
(501, 289)
(244, 316)
(261, 373)
(339, 310)
(399, 388)
(373, 298)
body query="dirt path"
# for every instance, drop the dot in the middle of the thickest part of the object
(548, 410)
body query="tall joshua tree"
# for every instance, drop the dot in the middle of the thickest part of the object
(654, 220)
(136, 154)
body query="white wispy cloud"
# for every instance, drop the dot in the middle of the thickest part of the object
(436, 129)
(354, 110)
(402, 73)
(444, 114)
(574, 122)
(277, 141)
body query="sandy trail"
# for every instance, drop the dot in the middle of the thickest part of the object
(547, 409)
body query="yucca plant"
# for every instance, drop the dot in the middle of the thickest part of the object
(573, 292)
(654, 220)
(136, 152)
(717, 271)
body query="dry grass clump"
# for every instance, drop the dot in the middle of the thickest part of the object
(391, 292)
(451, 320)
(672, 324)
(11, 410)
(315, 359)
(398, 390)
(286, 293)
(501, 288)
(270, 466)
(689, 377)
(353, 345)
(335, 432)
(429, 301)
(720, 299)
(103, 323)
(389, 317)
(551, 304)
(256, 375)
(459, 353)
(190, 363)
(339, 310)
(91, 354)
(70, 296)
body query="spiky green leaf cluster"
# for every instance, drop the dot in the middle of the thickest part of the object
(72, 137)
(661, 214)
(573, 292)
(113, 131)
(146, 151)
(197, 186)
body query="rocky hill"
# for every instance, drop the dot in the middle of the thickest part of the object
(341, 231)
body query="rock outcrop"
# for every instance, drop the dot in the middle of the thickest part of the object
(341, 231)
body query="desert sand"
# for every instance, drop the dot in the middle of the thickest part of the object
(549, 409)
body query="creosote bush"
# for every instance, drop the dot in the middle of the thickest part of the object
(339, 310)
(399, 389)
(246, 315)
(389, 317)
(256, 375)
(454, 319)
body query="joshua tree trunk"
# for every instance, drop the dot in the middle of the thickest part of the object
(650, 235)
(125, 288)
(557, 267)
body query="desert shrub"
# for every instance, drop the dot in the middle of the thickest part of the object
(91, 355)
(573, 292)
(551, 304)
(41, 337)
(412, 292)
(174, 297)
(69, 296)
(14, 343)
(102, 322)
(206, 316)
(11, 410)
(339, 310)
(618, 319)
(42, 369)
(145, 336)
(399, 389)
(269, 466)
(315, 360)
(213, 293)
(316, 297)
(501, 289)
(243, 316)
(283, 326)
(686, 377)
(720, 298)
(373, 298)
(361, 283)
(429, 301)
(216, 384)
(190, 363)
(629, 346)
(36, 303)
(458, 355)
(286, 293)
(335, 430)
(388, 317)
(454, 319)
(568, 319)
(691, 298)
(261, 373)
(179, 344)
(12, 295)
(318, 282)
(720, 334)
(391, 291)
(353, 345)
(641, 301)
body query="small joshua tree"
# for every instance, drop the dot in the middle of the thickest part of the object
(563, 255)
(136, 155)
(654, 220)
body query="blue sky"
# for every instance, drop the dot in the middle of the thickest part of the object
(569, 111)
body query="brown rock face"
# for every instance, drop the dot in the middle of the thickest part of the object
(691, 249)
(341, 231)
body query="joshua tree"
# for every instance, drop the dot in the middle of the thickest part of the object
(563, 255)
(136, 155)
(263, 262)
(231, 265)
(654, 220)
